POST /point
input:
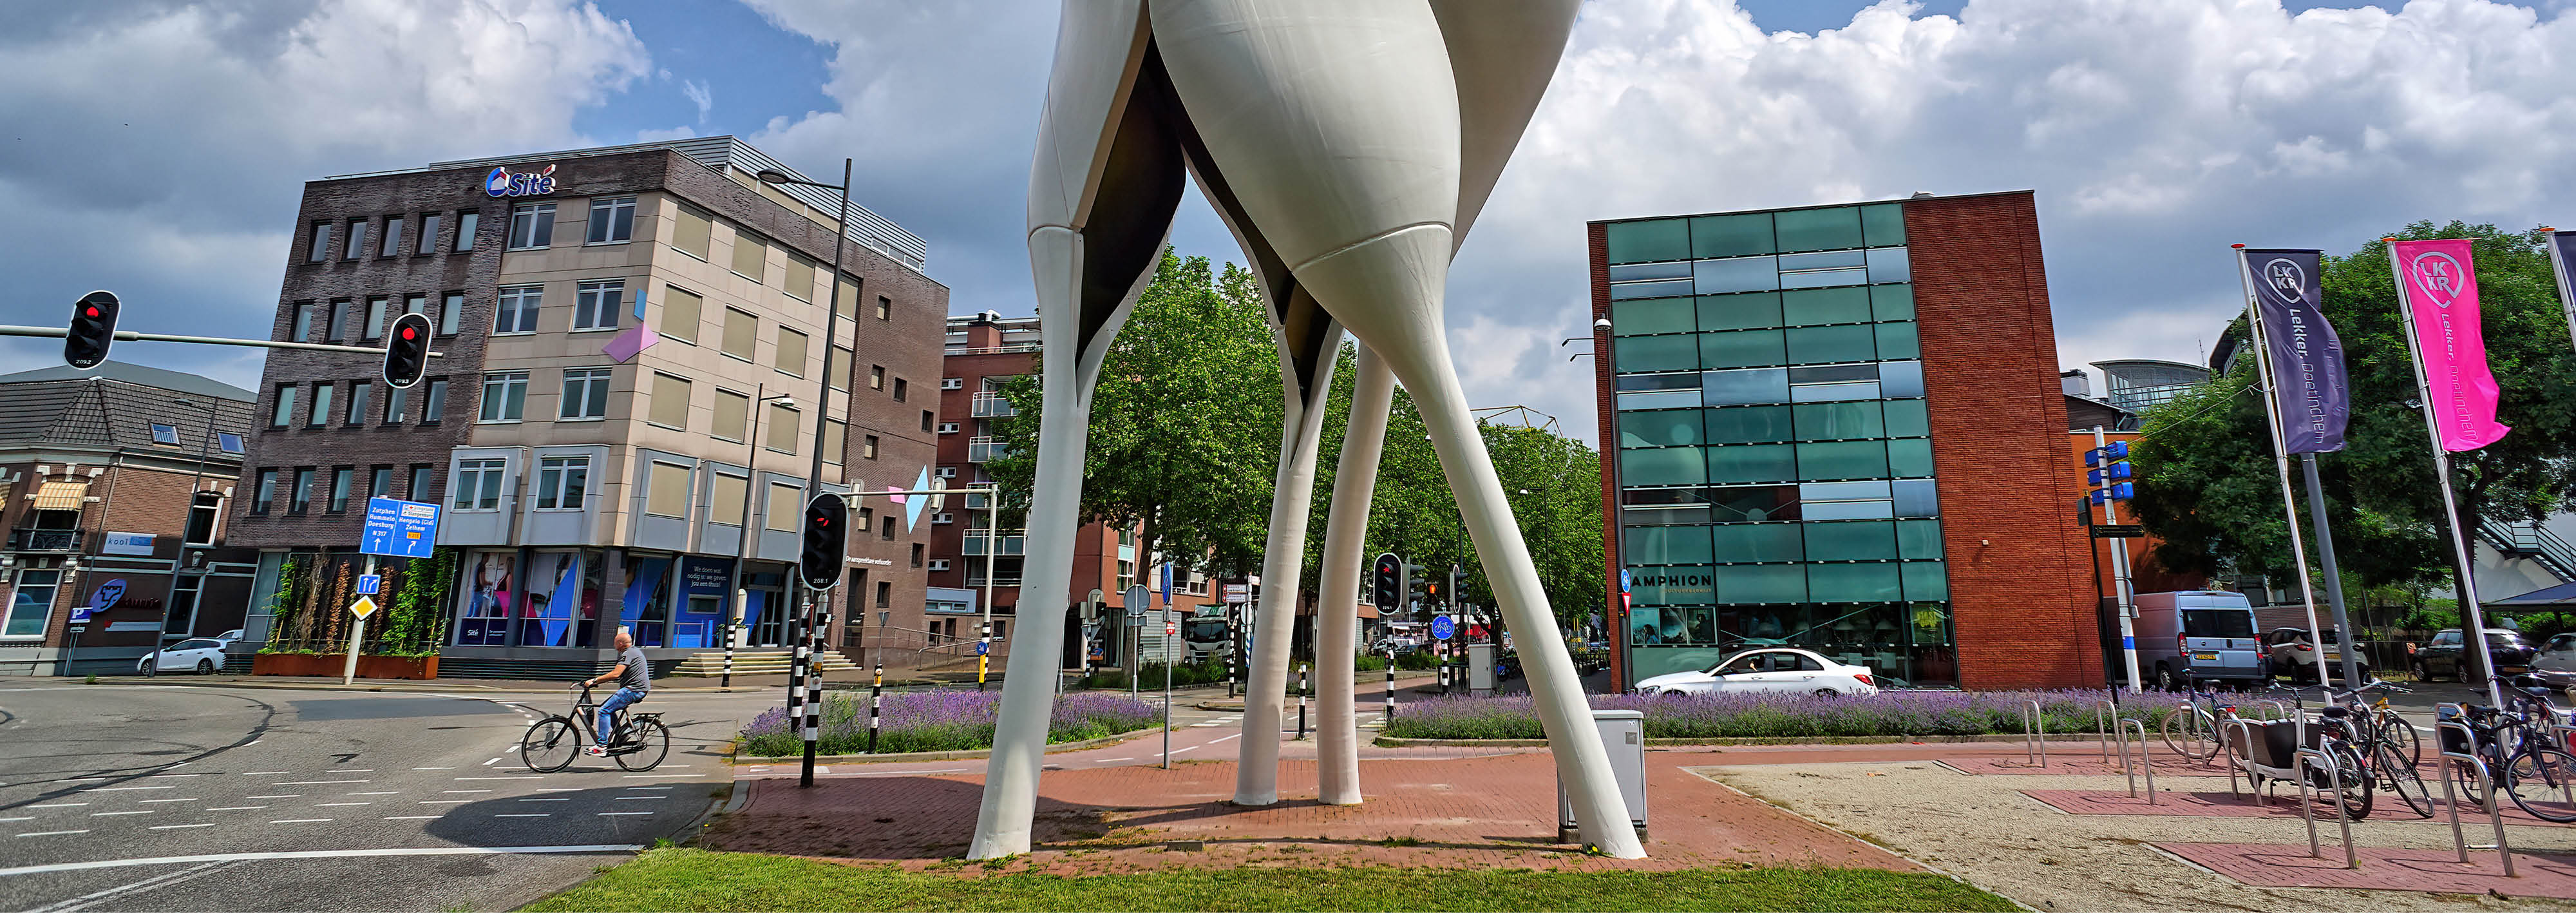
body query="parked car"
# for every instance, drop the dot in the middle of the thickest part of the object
(2199, 636)
(202, 655)
(2555, 662)
(2447, 656)
(2293, 655)
(1768, 671)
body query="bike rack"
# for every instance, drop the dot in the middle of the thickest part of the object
(2450, 795)
(2105, 714)
(2281, 711)
(2145, 759)
(2308, 808)
(2034, 734)
(2245, 732)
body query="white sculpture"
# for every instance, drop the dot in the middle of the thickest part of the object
(1348, 144)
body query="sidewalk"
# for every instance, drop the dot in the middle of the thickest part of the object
(836, 681)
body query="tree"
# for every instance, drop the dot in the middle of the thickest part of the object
(2209, 489)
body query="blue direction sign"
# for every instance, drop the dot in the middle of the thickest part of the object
(402, 529)
(1623, 580)
(370, 584)
(1442, 627)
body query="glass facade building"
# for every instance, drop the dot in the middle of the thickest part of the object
(1774, 465)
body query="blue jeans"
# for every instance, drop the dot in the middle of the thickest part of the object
(624, 698)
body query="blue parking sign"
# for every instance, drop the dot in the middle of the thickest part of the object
(402, 529)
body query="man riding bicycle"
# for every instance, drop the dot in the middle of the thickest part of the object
(634, 677)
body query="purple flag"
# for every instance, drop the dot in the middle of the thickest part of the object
(2309, 384)
(630, 341)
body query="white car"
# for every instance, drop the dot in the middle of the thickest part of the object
(1772, 670)
(202, 655)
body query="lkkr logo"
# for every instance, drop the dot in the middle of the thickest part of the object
(2438, 275)
(501, 183)
(2287, 279)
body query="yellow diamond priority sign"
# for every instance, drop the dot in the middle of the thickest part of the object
(363, 607)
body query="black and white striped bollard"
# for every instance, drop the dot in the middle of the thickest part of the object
(1390, 687)
(876, 691)
(1302, 692)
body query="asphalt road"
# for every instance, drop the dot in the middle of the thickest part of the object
(185, 797)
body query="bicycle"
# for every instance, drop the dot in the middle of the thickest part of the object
(2382, 741)
(641, 740)
(2193, 732)
(2540, 778)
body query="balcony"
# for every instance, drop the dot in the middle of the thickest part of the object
(976, 580)
(990, 405)
(985, 449)
(45, 540)
(1008, 544)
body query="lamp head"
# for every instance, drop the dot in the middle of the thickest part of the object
(774, 176)
(1601, 323)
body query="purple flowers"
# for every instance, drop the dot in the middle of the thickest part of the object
(943, 720)
(1695, 716)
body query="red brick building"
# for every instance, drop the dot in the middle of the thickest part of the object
(1841, 428)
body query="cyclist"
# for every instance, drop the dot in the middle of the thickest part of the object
(634, 680)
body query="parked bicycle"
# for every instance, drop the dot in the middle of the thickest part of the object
(638, 741)
(2538, 776)
(2380, 742)
(2192, 730)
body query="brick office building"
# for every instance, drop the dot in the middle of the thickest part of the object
(97, 471)
(1841, 428)
(587, 484)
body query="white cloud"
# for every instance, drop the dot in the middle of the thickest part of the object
(699, 96)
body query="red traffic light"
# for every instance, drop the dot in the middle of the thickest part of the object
(91, 311)
(408, 334)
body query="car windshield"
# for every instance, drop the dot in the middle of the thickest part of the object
(2499, 640)
(2217, 623)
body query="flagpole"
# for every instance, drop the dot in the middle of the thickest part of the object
(2558, 270)
(2474, 620)
(2281, 459)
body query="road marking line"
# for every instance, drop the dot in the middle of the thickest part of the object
(114, 814)
(317, 854)
(331, 804)
(262, 773)
(150, 801)
(173, 827)
(492, 762)
(79, 779)
(299, 820)
(122, 789)
(444, 801)
(234, 808)
(278, 796)
(317, 782)
(433, 768)
(526, 815)
(20, 818)
(54, 833)
(546, 800)
(387, 792)
(561, 789)
(609, 814)
(1234, 736)
(463, 779)
(151, 776)
(410, 817)
(647, 786)
(356, 770)
(61, 805)
(638, 799)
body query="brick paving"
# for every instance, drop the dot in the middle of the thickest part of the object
(2281, 865)
(1475, 812)
(2214, 804)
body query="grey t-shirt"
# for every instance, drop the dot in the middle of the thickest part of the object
(639, 672)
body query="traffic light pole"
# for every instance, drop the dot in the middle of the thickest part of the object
(131, 336)
(2121, 583)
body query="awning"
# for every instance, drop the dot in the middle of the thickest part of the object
(2560, 595)
(61, 495)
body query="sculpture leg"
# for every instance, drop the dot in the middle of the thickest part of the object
(1256, 773)
(1337, 753)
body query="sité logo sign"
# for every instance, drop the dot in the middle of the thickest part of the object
(501, 183)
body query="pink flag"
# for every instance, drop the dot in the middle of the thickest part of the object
(2438, 286)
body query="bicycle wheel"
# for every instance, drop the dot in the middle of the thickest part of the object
(2191, 733)
(2473, 794)
(648, 741)
(549, 745)
(2542, 780)
(2355, 779)
(2401, 735)
(2389, 769)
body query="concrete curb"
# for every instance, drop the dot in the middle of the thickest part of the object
(2004, 738)
(1058, 748)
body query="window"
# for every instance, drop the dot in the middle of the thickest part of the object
(876, 377)
(357, 240)
(428, 233)
(505, 393)
(33, 604)
(585, 393)
(341, 476)
(839, 369)
(302, 329)
(741, 334)
(926, 417)
(532, 225)
(380, 482)
(952, 383)
(321, 414)
(356, 414)
(782, 428)
(845, 297)
(749, 255)
(868, 449)
(393, 237)
(376, 316)
(690, 231)
(785, 506)
(165, 435)
(517, 312)
(299, 495)
(885, 308)
(478, 484)
(682, 310)
(836, 441)
(727, 498)
(789, 359)
(948, 427)
(917, 550)
(947, 472)
(595, 306)
(320, 248)
(205, 510)
(418, 488)
(395, 399)
(434, 405)
(562, 482)
(885, 597)
(341, 311)
(800, 277)
(451, 310)
(732, 413)
(228, 442)
(468, 224)
(612, 220)
(670, 407)
(264, 492)
(416, 304)
(901, 387)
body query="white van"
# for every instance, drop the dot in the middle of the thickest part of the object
(2199, 636)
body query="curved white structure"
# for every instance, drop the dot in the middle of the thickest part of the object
(1347, 143)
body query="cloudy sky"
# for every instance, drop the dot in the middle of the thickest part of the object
(157, 148)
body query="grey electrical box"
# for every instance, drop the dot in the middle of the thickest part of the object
(1480, 669)
(1623, 732)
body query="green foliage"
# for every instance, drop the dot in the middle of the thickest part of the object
(1150, 678)
(2210, 491)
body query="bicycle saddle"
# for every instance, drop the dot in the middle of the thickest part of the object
(2537, 691)
(2333, 713)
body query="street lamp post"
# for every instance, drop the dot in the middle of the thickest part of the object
(743, 549)
(197, 480)
(822, 397)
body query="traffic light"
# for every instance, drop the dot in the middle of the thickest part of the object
(93, 329)
(826, 538)
(1420, 589)
(2116, 472)
(1386, 583)
(1457, 577)
(407, 351)
(2116, 450)
(2119, 492)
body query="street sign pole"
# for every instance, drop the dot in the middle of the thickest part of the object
(357, 634)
